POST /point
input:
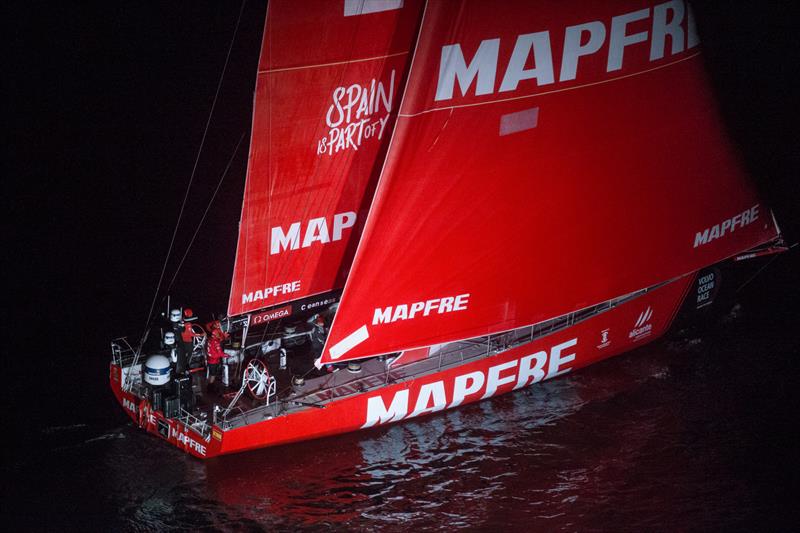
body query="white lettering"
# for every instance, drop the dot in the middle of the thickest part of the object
(282, 241)
(619, 38)
(427, 392)
(526, 372)
(452, 66)
(466, 385)
(382, 316)
(728, 225)
(542, 58)
(573, 49)
(377, 413)
(266, 292)
(432, 397)
(342, 221)
(495, 380)
(409, 311)
(556, 359)
(317, 231)
(662, 28)
(477, 75)
(351, 119)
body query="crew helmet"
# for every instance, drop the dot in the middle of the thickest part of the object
(175, 315)
(169, 338)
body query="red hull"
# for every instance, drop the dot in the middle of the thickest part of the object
(625, 327)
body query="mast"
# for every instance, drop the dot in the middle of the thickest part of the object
(545, 159)
(329, 81)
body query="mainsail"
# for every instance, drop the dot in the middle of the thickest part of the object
(329, 80)
(546, 157)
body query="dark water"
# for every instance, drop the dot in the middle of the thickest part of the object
(106, 109)
(693, 432)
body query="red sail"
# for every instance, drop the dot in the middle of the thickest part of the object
(547, 156)
(329, 83)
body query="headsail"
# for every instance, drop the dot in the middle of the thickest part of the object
(329, 81)
(547, 157)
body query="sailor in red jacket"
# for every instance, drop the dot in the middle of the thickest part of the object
(215, 352)
(188, 335)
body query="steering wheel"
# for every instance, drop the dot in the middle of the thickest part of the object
(257, 379)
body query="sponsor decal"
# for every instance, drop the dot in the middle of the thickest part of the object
(357, 114)
(316, 230)
(707, 287)
(663, 35)
(438, 395)
(130, 406)
(393, 313)
(187, 441)
(216, 434)
(272, 314)
(447, 304)
(270, 292)
(604, 340)
(318, 303)
(727, 226)
(642, 328)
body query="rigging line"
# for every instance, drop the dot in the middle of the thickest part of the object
(194, 169)
(758, 272)
(208, 207)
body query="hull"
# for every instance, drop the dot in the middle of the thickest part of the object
(622, 328)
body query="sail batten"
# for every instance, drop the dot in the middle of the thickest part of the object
(545, 158)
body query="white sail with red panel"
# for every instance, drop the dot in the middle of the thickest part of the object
(329, 81)
(544, 160)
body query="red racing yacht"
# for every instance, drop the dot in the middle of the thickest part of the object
(449, 200)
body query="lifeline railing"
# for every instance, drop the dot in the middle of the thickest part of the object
(122, 352)
(197, 424)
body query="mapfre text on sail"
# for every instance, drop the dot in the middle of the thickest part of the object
(667, 29)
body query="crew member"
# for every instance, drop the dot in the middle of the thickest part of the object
(215, 354)
(175, 321)
(187, 334)
(169, 347)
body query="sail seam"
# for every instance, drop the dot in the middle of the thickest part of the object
(270, 71)
(411, 115)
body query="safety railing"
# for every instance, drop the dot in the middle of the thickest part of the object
(122, 353)
(197, 424)
(458, 352)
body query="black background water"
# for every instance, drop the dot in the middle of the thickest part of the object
(107, 108)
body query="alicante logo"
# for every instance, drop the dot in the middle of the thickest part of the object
(642, 328)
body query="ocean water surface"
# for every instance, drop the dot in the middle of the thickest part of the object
(688, 433)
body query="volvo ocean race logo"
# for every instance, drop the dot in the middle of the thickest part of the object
(357, 113)
(707, 287)
(642, 328)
